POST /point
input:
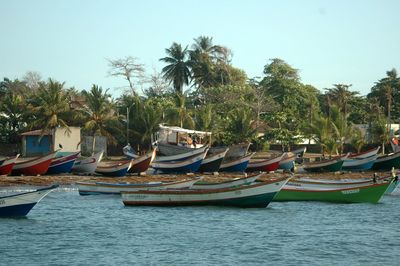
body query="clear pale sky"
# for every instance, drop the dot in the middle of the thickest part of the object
(352, 42)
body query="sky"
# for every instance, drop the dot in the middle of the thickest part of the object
(351, 42)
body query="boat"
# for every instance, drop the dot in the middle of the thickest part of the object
(234, 151)
(361, 164)
(387, 162)
(62, 164)
(395, 184)
(129, 152)
(365, 154)
(257, 195)
(189, 165)
(212, 162)
(36, 166)
(394, 142)
(371, 193)
(228, 184)
(142, 163)
(181, 156)
(87, 165)
(265, 165)
(20, 204)
(96, 188)
(331, 165)
(117, 169)
(7, 164)
(287, 162)
(300, 151)
(236, 165)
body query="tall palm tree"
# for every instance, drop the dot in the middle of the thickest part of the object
(177, 71)
(341, 96)
(50, 106)
(99, 111)
(180, 114)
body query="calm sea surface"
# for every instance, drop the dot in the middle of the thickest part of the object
(68, 229)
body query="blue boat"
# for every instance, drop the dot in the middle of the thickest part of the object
(287, 163)
(236, 165)
(62, 164)
(20, 204)
(190, 165)
(118, 169)
(359, 164)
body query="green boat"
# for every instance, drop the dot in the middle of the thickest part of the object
(387, 162)
(332, 165)
(367, 193)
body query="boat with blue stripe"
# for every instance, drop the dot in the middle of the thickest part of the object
(62, 164)
(190, 165)
(359, 164)
(236, 165)
(118, 169)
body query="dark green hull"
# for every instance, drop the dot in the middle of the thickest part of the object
(334, 167)
(387, 164)
(371, 194)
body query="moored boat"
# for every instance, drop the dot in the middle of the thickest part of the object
(7, 164)
(331, 165)
(361, 164)
(116, 169)
(62, 164)
(387, 162)
(142, 163)
(287, 162)
(181, 156)
(265, 165)
(20, 204)
(365, 154)
(236, 165)
(227, 184)
(87, 165)
(212, 162)
(189, 165)
(360, 194)
(91, 188)
(257, 195)
(36, 166)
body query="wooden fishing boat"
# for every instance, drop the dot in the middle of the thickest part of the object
(365, 154)
(91, 188)
(257, 195)
(189, 165)
(287, 162)
(87, 165)
(300, 151)
(213, 162)
(361, 164)
(265, 165)
(236, 165)
(7, 164)
(395, 184)
(37, 166)
(387, 162)
(367, 193)
(117, 169)
(142, 163)
(129, 152)
(181, 156)
(62, 164)
(20, 204)
(228, 184)
(234, 151)
(331, 165)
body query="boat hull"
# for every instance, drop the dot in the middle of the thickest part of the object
(387, 162)
(38, 166)
(237, 165)
(7, 165)
(366, 194)
(334, 167)
(62, 165)
(359, 164)
(142, 163)
(119, 170)
(88, 165)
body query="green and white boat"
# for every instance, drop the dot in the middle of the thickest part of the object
(332, 165)
(365, 193)
(387, 162)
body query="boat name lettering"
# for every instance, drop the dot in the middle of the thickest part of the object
(139, 196)
(2, 202)
(295, 184)
(351, 191)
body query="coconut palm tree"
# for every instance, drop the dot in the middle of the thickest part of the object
(180, 114)
(177, 71)
(341, 95)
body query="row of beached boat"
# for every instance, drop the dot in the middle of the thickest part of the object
(244, 192)
(196, 160)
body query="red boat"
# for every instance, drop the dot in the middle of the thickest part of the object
(7, 164)
(265, 165)
(142, 163)
(37, 166)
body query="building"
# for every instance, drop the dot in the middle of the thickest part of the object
(36, 142)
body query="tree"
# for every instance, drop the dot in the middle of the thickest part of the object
(341, 96)
(128, 68)
(32, 80)
(177, 71)
(179, 114)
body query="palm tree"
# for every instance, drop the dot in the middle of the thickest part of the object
(99, 111)
(50, 106)
(179, 114)
(341, 95)
(12, 115)
(177, 71)
(241, 125)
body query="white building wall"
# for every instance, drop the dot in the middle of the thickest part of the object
(70, 141)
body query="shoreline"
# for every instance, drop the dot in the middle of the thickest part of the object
(70, 179)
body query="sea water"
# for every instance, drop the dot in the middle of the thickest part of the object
(68, 229)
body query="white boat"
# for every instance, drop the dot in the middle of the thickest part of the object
(359, 164)
(90, 188)
(190, 165)
(257, 195)
(181, 156)
(20, 204)
(365, 154)
(117, 169)
(87, 165)
(231, 183)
